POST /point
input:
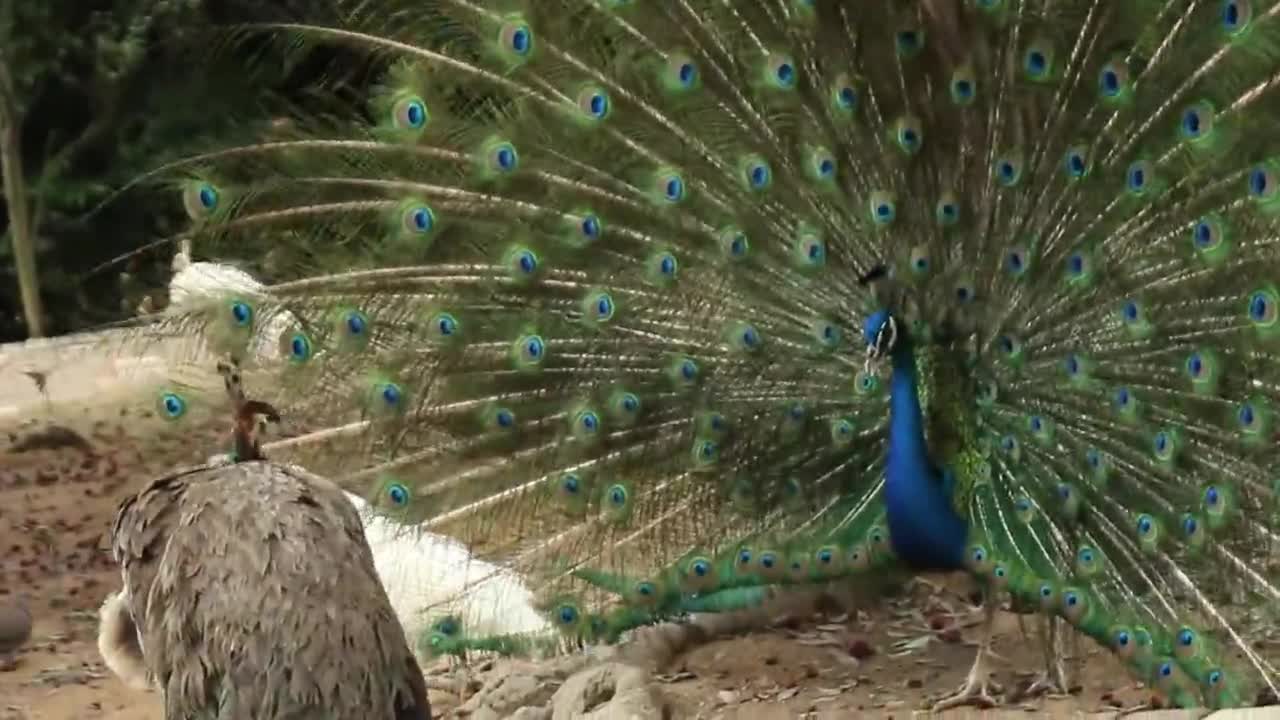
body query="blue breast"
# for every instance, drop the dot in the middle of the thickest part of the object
(924, 528)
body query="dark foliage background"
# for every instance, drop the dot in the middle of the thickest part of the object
(100, 92)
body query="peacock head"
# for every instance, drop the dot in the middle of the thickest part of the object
(882, 334)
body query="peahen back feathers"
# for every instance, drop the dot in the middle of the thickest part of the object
(624, 295)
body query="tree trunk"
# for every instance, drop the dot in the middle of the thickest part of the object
(19, 206)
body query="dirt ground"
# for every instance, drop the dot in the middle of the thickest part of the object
(53, 541)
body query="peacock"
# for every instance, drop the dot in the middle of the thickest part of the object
(670, 306)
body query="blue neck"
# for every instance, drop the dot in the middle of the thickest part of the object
(924, 528)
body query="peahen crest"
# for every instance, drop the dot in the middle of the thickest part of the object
(664, 304)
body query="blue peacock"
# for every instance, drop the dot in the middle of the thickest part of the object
(669, 305)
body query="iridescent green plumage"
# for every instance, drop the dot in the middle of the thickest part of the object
(583, 291)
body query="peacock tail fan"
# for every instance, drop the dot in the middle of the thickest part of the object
(583, 287)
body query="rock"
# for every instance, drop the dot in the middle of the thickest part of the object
(612, 691)
(481, 713)
(532, 713)
(15, 625)
(860, 648)
(509, 691)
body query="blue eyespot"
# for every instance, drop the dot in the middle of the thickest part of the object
(1236, 16)
(617, 495)
(398, 494)
(688, 370)
(241, 313)
(1036, 63)
(173, 405)
(674, 189)
(422, 219)
(1259, 182)
(503, 157)
(356, 323)
(786, 74)
(409, 113)
(1136, 177)
(1212, 496)
(444, 324)
(908, 42)
(417, 218)
(299, 348)
(1263, 308)
(506, 158)
(594, 103)
(391, 394)
(1109, 82)
(1074, 163)
(1072, 365)
(687, 73)
(516, 38)
(416, 115)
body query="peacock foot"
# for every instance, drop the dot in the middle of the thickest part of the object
(976, 690)
(1052, 682)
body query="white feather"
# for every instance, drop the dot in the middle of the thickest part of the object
(429, 576)
(119, 644)
(194, 281)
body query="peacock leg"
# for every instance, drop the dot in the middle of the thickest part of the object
(975, 690)
(1054, 679)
